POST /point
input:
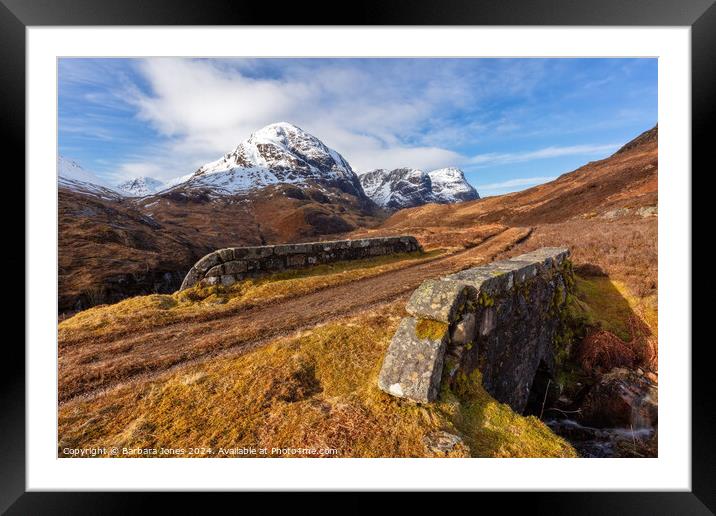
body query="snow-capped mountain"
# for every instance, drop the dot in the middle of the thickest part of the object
(408, 187)
(141, 186)
(399, 188)
(449, 185)
(277, 153)
(72, 176)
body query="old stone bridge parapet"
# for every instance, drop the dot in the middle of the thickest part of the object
(227, 266)
(502, 318)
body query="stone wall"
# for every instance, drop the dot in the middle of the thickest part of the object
(226, 266)
(502, 318)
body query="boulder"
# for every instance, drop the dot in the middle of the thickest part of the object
(464, 331)
(621, 398)
(441, 442)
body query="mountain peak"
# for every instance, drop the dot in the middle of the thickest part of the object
(277, 153)
(280, 127)
(140, 186)
(450, 185)
(72, 176)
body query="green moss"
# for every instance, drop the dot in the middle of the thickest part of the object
(429, 329)
(567, 269)
(484, 299)
(493, 429)
(604, 305)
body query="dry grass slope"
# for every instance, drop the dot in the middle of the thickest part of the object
(316, 390)
(203, 303)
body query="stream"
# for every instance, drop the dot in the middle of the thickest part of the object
(605, 442)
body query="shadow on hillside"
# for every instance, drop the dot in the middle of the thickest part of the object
(615, 334)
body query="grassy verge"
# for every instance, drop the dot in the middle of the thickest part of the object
(316, 390)
(143, 312)
(610, 305)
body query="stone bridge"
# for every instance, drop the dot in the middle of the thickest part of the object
(503, 319)
(227, 266)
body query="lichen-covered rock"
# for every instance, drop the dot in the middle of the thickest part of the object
(226, 255)
(441, 442)
(440, 300)
(207, 262)
(235, 267)
(412, 366)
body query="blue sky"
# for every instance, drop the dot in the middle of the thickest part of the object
(508, 123)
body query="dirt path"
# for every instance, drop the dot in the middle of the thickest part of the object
(95, 366)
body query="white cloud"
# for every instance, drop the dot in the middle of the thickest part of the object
(385, 117)
(204, 108)
(548, 152)
(523, 181)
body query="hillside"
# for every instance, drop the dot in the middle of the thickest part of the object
(625, 180)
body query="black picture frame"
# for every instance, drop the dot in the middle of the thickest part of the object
(17, 15)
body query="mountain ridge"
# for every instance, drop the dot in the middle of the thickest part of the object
(409, 187)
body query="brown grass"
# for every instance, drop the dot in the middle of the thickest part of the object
(96, 361)
(204, 303)
(317, 390)
(600, 351)
(624, 249)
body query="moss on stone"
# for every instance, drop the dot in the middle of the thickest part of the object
(493, 429)
(429, 329)
(484, 299)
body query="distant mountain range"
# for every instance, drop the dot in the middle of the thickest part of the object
(283, 154)
(409, 187)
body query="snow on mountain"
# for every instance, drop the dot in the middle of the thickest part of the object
(449, 185)
(408, 187)
(72, 176)
(399, 188)
(141, 186)
(277, 153)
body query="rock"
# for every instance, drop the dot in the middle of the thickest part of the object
(235, 267)
(228, 280)
(464, 330)
(439, 300)
(647, 211)
(621, 398)
(226, 255)
(487, 324)
(442, 442)
(216, 270)
(413, 366)
(207, 262)
(297, 260)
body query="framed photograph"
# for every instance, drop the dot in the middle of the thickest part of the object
(423, 251)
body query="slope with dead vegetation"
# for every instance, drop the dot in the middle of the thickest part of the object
(95, 356)
(316, 390)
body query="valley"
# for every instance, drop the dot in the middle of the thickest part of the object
(300, 352)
